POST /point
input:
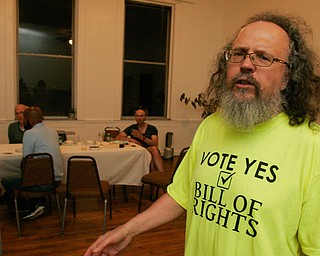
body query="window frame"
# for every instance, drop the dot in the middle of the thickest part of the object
(167, 63)
(72, 108)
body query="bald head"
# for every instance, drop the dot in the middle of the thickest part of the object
(18, 112)
(32, 116)
(20, 107)
(264, 36)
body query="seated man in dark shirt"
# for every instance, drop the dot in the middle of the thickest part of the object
(144, 134)
(16, 129)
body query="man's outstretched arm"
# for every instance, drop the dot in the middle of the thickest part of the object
(164, 210)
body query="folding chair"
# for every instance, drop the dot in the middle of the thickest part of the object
(83, 181)
(36, 170)
(160, 179)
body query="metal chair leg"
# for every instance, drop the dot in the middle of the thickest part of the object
(17, 217)
(110, 203)
(64, 216)
(59, 208)
(105, 215)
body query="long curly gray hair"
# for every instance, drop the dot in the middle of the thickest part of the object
(302, 94)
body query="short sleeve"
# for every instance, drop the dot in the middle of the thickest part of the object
(309, 231)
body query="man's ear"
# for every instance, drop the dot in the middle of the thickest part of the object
(31, 121)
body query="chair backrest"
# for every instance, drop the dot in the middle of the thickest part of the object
(183, 152)
(37, 170)
(83, 174)
(113, 131)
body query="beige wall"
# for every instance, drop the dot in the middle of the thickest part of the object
(200, 28)
(240, 10)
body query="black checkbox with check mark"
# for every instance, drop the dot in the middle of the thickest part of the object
(224, 180)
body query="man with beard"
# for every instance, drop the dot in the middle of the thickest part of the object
(250, 182)
(38, 138)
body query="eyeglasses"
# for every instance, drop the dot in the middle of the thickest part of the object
(256, 58)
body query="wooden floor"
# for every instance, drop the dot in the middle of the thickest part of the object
(42, 235)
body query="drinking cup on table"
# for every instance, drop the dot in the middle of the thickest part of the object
(121, 144)
(84, 146)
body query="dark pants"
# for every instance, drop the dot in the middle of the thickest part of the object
(14, 182)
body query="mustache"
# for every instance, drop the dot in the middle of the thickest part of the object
(249, 79)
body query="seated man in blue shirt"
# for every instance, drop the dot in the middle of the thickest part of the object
(38, 138)
(144, 134)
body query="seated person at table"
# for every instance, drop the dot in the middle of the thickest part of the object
(143, 134)
(38, 138)
(16, 129)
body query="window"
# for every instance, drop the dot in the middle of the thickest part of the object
(45, 55)
(146, 58)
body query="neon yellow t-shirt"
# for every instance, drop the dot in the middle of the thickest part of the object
(251, 193)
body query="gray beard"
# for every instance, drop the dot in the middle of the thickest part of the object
(243, 115)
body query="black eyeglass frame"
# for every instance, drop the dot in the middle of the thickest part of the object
(226, 53)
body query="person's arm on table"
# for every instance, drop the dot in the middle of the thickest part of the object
(121, 136)
(153, 141)
(112, 242)
(124, 136)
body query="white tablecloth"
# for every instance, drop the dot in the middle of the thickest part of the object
(121, 166)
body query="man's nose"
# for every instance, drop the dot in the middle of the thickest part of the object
(246, 64)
